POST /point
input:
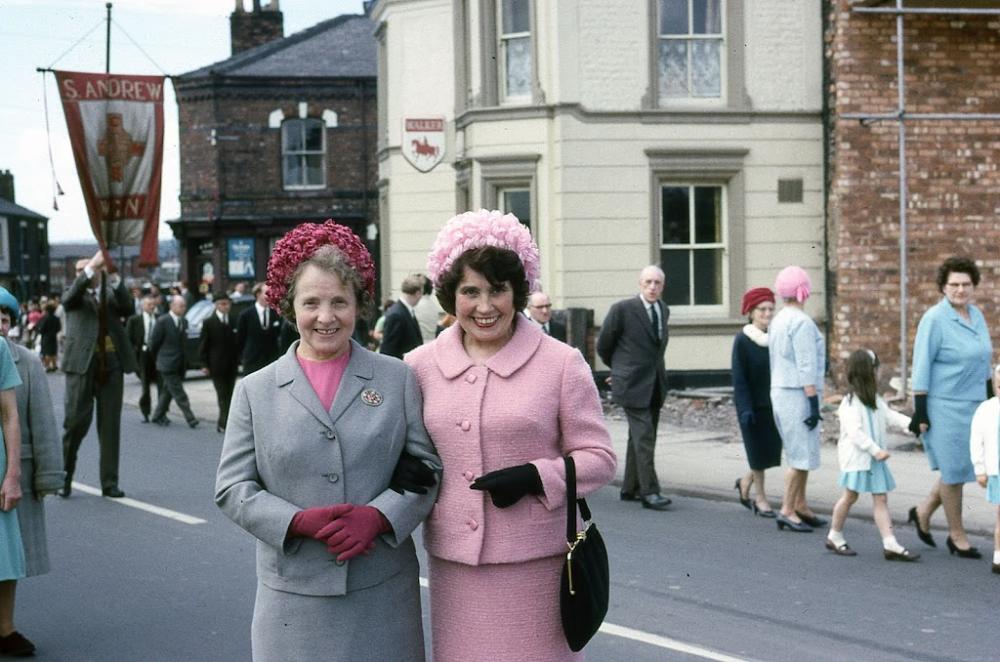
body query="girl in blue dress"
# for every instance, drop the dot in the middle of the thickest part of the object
(11, 549)
(984, 450)
(862, 452)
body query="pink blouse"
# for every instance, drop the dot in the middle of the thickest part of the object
(324, 376)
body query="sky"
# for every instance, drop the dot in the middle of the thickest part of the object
(178, 35)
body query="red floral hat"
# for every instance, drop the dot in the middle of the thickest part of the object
(301, 243)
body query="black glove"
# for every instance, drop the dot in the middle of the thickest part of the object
(814, 417)
(507, 486)
(989, 389)
(919, 414)
(412, 475)
(746, 418)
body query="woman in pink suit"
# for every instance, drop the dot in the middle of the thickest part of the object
(504, 403)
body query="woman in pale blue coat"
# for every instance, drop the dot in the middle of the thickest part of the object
(951, 376)
(798, 363)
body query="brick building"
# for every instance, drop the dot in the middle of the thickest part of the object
(950, 64)
(281, 132)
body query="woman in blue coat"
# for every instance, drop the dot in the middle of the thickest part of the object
(752, 396)
(951, 376)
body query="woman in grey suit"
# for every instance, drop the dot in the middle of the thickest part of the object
(311, 447)
(41, 458)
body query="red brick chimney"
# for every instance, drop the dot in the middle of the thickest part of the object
(256, 27)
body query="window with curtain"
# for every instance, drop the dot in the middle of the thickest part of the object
(303, 153)
(691, 45)
(517, 201)
(693, 244)
(514, 48)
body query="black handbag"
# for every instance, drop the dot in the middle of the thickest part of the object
(583, 591)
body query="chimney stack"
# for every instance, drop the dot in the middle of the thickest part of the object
(258, 26)
(7, 185)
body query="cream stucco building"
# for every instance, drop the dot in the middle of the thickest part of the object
(625, 132)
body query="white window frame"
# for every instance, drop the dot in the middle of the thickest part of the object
(502, 39)
(689, 37)
(721, 307)
(510, 172)
(303, 154)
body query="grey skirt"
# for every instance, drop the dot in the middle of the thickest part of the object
(381, 622)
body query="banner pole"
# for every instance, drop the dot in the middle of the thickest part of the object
(107, 42)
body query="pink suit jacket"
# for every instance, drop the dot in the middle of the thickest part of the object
(533, 401)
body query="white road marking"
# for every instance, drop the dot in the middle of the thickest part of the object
(141, 505)
(653, 640)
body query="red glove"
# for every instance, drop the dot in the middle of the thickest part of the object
(354, 533)
(307, 523)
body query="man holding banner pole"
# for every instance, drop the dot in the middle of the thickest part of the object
(97, 355)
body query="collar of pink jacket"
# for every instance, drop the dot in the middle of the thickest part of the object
(450, 355)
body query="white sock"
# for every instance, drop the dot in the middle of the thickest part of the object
(836, 537)
(891, 544)
(996, 555)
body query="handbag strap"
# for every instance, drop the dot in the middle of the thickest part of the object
(572, 502)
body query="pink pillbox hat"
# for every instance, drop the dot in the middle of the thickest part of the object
(793, 283)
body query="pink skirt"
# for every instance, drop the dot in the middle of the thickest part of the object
(506, 611)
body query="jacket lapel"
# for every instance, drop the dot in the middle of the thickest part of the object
(357, 375)
(288, 375)
(642, 315)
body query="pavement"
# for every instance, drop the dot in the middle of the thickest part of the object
(705, 463)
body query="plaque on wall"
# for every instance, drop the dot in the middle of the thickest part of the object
(239, 257)
(423, 141)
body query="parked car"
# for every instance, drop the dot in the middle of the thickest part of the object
(196, 316)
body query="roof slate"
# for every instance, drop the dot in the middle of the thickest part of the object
(341, 47)
(8, 208)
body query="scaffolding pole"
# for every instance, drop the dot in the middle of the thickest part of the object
(901, 116)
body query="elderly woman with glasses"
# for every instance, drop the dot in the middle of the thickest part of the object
(951, 376)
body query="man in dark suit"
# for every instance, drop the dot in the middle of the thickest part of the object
(167, 345)
(220, 355)
(139, 328)
(257, 332)
(401, 331)
(631, 343)
(97, 355)
(540, 312)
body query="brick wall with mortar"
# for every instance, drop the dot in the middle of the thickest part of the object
(953, 205)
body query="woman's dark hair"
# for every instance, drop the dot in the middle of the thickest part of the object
(959, 265)
(497, 265)
(861, 367)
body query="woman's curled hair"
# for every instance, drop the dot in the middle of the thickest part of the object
(960, 265)
(497, 265)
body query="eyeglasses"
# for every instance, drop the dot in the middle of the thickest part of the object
(956, 286)
(548, 305)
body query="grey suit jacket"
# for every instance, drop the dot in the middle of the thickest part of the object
(41, 444)
(82, 326)
(634, 354)
(283, 452)
(167, 344)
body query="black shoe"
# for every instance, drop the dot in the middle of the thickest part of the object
(996, 568)
(112, 493)
(655, 501)
(220, 429)
(766, 514)
(841, 550)
(628, 496)
(925, 536)
(812, 520)
(193, 423)
(739, 491)
(905, 555)
(163, 422)
(16, 645)
(970, 553)
(67, 488)
(145, 418)
(784, 522)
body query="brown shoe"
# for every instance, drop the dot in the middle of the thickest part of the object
(905, 555)
(841, 550)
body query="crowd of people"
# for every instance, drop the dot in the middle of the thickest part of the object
(778, 374)
(455, 410)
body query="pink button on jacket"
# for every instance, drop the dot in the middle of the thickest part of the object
(533, 401)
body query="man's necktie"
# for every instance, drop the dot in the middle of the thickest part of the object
(263, 319)
(655, 320)
(149, 328)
